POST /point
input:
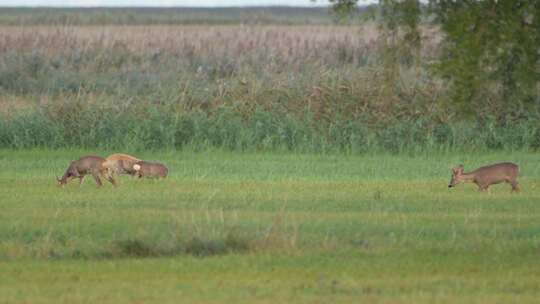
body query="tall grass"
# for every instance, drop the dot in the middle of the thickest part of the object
(302, 88)
(88, 121)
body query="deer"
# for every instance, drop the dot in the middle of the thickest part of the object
(85, 165)
(120, 163)
(150, 169)
(486, 176)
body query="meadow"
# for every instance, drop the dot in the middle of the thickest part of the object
(267, 227)
(303, 167)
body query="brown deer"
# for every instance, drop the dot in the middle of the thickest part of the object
(486, 176)
(120, 163)
(150, 169)
(83, 166)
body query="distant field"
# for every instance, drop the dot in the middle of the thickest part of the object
(268, 228)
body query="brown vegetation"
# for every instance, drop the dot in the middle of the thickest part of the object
(289, 43)
(235, 86)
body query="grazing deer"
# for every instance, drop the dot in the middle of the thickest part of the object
(83, 166)
(120, 164)
(486, 176)
(150, 170)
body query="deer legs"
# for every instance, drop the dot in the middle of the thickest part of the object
(515, 186)
(97, 179)
(111, 179)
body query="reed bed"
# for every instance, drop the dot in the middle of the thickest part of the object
(303, 88)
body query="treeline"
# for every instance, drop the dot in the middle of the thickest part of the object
(167, 16)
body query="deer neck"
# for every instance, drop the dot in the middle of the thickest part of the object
(468, 177)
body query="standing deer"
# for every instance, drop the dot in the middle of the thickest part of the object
(120, 163)
(150, 170)
(83, 166)
(486, 176)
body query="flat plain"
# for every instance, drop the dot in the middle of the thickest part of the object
(269, 228)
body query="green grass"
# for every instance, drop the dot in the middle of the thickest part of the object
(269, 228)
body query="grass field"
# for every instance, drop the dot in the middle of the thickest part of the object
(269, 228)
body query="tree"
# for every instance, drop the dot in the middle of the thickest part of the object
(491, 49)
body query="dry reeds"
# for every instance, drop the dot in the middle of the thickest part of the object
(307, 88)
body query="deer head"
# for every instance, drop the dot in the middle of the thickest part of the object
(456, 176)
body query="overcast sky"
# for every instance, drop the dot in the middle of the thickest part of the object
(206, 3)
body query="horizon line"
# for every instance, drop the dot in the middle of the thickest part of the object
(162, 6)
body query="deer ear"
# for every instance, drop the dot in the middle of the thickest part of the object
(457, 168)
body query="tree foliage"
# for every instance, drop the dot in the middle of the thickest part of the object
(343, 8)
(490, 49)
